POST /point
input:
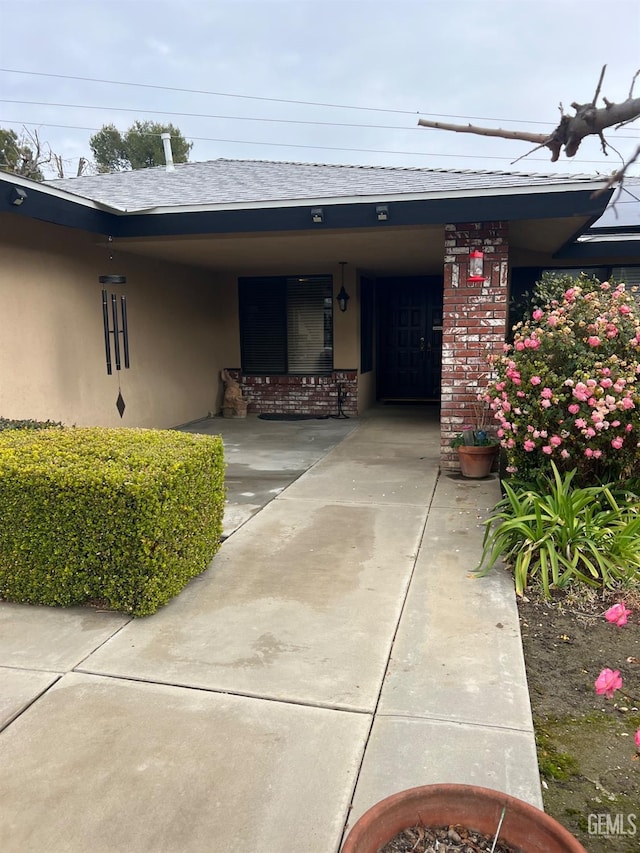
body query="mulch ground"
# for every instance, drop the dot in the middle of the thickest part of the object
(589, 764)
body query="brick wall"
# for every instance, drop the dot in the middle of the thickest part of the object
(300, 395)
(475, 322)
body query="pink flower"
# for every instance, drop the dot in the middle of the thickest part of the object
(597, 454)
(547, 449)
(535, 380)
(547, 393)
(574, 408)
(588, 453)
(608, 682)
(519, 346)
(637, 738)
(529, 445)
(565, 453)
(593, 341)
(555, 441)
(589, 432)
(537, 314)
(553, 320)
(617, 614)
(625, 309)
(581, 423)
(546, 404)
(617, 443)
(606, 382)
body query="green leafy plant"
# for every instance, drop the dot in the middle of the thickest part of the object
(478, 433)
(559, 533)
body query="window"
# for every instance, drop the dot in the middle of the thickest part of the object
(286, 324)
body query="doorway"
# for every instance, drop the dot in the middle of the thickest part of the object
(409, 338)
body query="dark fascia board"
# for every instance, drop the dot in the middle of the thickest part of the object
(601, 249)
(50, 207)
(353, 215)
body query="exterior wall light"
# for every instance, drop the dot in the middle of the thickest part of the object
(476, 266)
(342, 297)
(382, 212)
(317, 215)
(17, 196)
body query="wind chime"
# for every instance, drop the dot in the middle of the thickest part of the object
(115, 325)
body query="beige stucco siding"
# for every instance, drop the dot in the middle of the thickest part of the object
(182, 330)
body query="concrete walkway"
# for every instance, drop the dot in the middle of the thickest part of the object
(336, 651)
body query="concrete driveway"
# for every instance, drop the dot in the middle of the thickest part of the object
(335, 651)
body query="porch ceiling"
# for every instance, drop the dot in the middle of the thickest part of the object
(382, 250)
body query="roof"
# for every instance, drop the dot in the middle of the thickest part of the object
(225, 182)
(623, 212)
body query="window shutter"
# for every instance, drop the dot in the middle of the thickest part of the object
(629, 275)
(263, 332)
(310, 324)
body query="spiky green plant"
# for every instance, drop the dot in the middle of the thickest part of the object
(557, 534)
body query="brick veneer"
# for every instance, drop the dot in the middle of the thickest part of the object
(474, 323)
(300, 395)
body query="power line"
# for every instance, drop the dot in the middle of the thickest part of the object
(264, 98)
(231, 118)
(312, 147)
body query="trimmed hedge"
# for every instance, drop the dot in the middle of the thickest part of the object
(8, 423)
(123, 516)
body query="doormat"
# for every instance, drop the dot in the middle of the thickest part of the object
(285, 417)
(390, 401)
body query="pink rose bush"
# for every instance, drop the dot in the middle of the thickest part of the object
(568, 388)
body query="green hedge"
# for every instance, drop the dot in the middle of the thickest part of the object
(122, 516)
(9, 423)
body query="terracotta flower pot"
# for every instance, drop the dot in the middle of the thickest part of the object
(524, 827)
(477, 462)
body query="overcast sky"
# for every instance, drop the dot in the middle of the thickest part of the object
(360, 62)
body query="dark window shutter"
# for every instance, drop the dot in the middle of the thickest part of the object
(263, 331)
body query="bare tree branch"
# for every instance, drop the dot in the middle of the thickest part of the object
(587, 121)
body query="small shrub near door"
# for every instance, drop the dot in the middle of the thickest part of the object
(121, 516)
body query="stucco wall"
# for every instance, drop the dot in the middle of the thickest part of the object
(182, 330)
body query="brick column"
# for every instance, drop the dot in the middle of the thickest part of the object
(474, 322)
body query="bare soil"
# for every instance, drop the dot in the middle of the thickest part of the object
(589, 764)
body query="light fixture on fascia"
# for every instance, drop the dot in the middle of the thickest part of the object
(317, 215)
(17, 196)
(382, 212)
(476, 266)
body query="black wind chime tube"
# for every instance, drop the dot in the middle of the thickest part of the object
(116, 335)
(125, 330)
(107, 333)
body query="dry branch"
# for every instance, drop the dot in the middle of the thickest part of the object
(588, 120)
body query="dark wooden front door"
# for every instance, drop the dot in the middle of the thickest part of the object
(410, 338)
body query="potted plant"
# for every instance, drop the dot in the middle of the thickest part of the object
(493, 814)
(477, 447)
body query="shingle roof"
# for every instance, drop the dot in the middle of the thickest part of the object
(226, 182)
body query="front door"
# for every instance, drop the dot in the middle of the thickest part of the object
(410, 338)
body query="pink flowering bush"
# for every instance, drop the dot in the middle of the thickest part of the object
(610, 680)
(568, 388)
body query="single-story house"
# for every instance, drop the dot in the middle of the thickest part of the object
(321, 288)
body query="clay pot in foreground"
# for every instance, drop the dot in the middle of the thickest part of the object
(524, 827)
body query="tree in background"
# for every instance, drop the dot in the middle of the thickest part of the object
(139, 148)
(22, 155)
